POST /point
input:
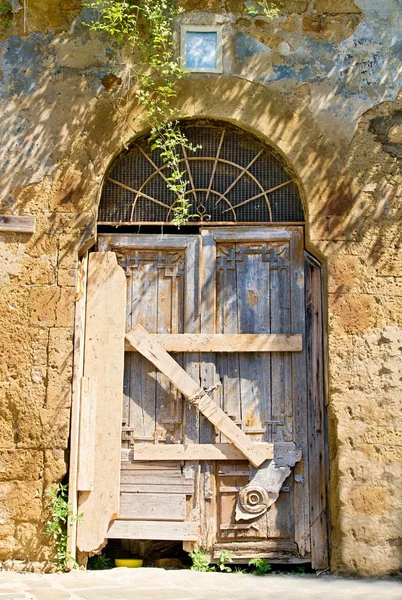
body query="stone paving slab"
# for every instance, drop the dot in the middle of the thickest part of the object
(160, 584)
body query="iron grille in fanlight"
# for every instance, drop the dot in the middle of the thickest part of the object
(232, 178)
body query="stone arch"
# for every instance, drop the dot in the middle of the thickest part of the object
(287, 126)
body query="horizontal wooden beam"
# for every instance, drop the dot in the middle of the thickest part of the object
(186, 488)
(153, 530)
(243, 342)
(250, 234)
(153, 507)
(192, 452)
(17, 224)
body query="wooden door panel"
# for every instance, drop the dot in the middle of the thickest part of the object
(253, 296)
(281, 426)
(228, 366)
(170, 507)
(253, 317)
(170, 319)
(317, 417)
(142, 280)
(250, 282)
(208, 375)
(280, 521)
(299, 398)
(258, 289)
(232, 477)
(156, 296)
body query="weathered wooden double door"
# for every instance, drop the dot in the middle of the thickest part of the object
(230, 306)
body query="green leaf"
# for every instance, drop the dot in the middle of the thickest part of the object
(155, 80)
(60, 511)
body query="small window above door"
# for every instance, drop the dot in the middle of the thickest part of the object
(201, 48)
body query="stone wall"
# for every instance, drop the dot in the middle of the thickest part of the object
(321, 84)
(365, 319)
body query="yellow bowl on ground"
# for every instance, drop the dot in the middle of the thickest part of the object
(130, 563)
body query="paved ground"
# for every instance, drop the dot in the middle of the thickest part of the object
(159, 584)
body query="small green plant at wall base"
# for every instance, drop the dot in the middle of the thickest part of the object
(240, 570)
(147, 27)
(225, 556)
(56, 525)
(100, 562)
(298, 571)
(200, 561)
(260, 565)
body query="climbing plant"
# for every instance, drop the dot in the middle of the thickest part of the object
(147, 26)
(60, 511)
(5, 13)
(265, 6)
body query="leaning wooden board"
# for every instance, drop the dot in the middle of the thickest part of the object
(154, 352)
(99, 463)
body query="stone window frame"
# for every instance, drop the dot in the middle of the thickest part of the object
(184, 29)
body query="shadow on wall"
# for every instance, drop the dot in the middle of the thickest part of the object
(62, 129)
(62, 143)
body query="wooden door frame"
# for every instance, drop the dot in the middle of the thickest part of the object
(79, 328)
(316, 313)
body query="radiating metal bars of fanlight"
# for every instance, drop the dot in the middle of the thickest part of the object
(232, 178)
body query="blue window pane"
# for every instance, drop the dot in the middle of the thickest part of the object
(201, 49)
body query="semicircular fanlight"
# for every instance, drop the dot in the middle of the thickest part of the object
(232, 178)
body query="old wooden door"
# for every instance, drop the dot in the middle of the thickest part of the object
(180, 478)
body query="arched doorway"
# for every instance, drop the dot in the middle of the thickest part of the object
(239, 465)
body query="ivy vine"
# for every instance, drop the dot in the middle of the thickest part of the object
(146, 26)
(265, 6)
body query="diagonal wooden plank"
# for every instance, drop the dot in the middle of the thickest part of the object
(154, 352)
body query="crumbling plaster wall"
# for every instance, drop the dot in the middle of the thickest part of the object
(321, 84)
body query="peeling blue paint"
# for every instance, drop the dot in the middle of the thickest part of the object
(23, 66)
(247, 46)
(345, 78)
(367, 66)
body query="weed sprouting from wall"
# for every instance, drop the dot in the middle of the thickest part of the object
(56, 526)
(265, 7)
(5, 13)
